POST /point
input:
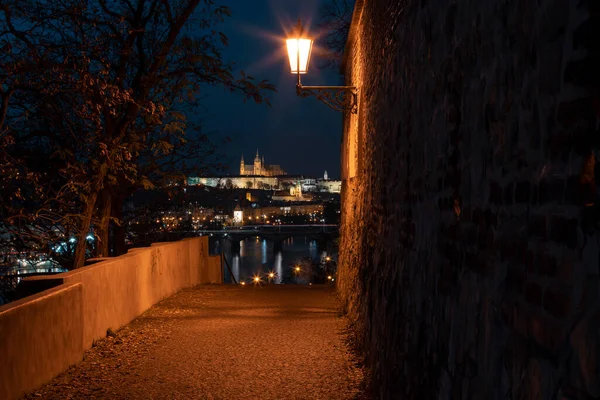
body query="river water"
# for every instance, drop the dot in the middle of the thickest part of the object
(257, 257)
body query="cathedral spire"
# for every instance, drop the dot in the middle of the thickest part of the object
(257, 156)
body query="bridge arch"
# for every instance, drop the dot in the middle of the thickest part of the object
(321, 233)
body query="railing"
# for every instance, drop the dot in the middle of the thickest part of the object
(8, 287)
(9, 283)
(225, 263)
(273, 228)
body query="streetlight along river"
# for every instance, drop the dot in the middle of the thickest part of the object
(257, 257)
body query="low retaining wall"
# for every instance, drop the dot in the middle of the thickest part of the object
(41, 335)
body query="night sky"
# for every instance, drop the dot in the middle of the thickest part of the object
(302, 135)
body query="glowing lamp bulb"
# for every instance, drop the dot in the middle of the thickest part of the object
(271, 275)
(298, 48)
(242, 283)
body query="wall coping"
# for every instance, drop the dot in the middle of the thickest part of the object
(103, 261)
(26, 301)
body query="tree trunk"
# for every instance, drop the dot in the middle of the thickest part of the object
(86, 221)
(118, 229)
(79, 258)
(102, 244)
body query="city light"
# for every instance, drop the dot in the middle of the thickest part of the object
(329, 277)
(256, 279)
(242, 283)
(271, 275)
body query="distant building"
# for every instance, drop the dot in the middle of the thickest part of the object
(269, 177)
(308, 185)
(236, 182)
(268, 183)
(329, 186)
(294, 193)
(238, 215)
(264, 212)
(259, 168)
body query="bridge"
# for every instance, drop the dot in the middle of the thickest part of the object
(322, 233)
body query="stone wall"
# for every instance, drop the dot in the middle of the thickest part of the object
(41, 335)
(469, 245)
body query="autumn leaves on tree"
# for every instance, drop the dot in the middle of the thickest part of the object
(95, 97)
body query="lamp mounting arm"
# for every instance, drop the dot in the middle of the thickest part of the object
(340, 98)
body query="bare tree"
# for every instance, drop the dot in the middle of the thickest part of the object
(335, 20)
(115, 81)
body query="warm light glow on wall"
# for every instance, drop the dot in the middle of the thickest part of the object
(299, 48)
(351, 152)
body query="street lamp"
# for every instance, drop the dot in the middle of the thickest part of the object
(341, 98)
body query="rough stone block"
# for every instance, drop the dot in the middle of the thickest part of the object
(495, 193)
(565, 268)
(551, 190)
(534, 293)
(507, 314)
(491, 218)
(477, 217)
(557, 301)
(547, 265)
(550, 65)
(523, 192)
(516, 316)
(564, 230)
(547, 332)
(530, 262)
(584, 71)
(515, 278)
(538, 226)
(573, 191)
(508, 194)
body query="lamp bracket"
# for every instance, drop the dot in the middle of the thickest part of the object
(340, 98)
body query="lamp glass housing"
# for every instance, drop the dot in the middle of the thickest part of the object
(299, 54)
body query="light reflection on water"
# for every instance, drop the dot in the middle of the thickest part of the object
(40, 267)
(278, 267)
(257, 257)
(11, 275)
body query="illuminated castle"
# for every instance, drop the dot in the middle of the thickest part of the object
(259, 168)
